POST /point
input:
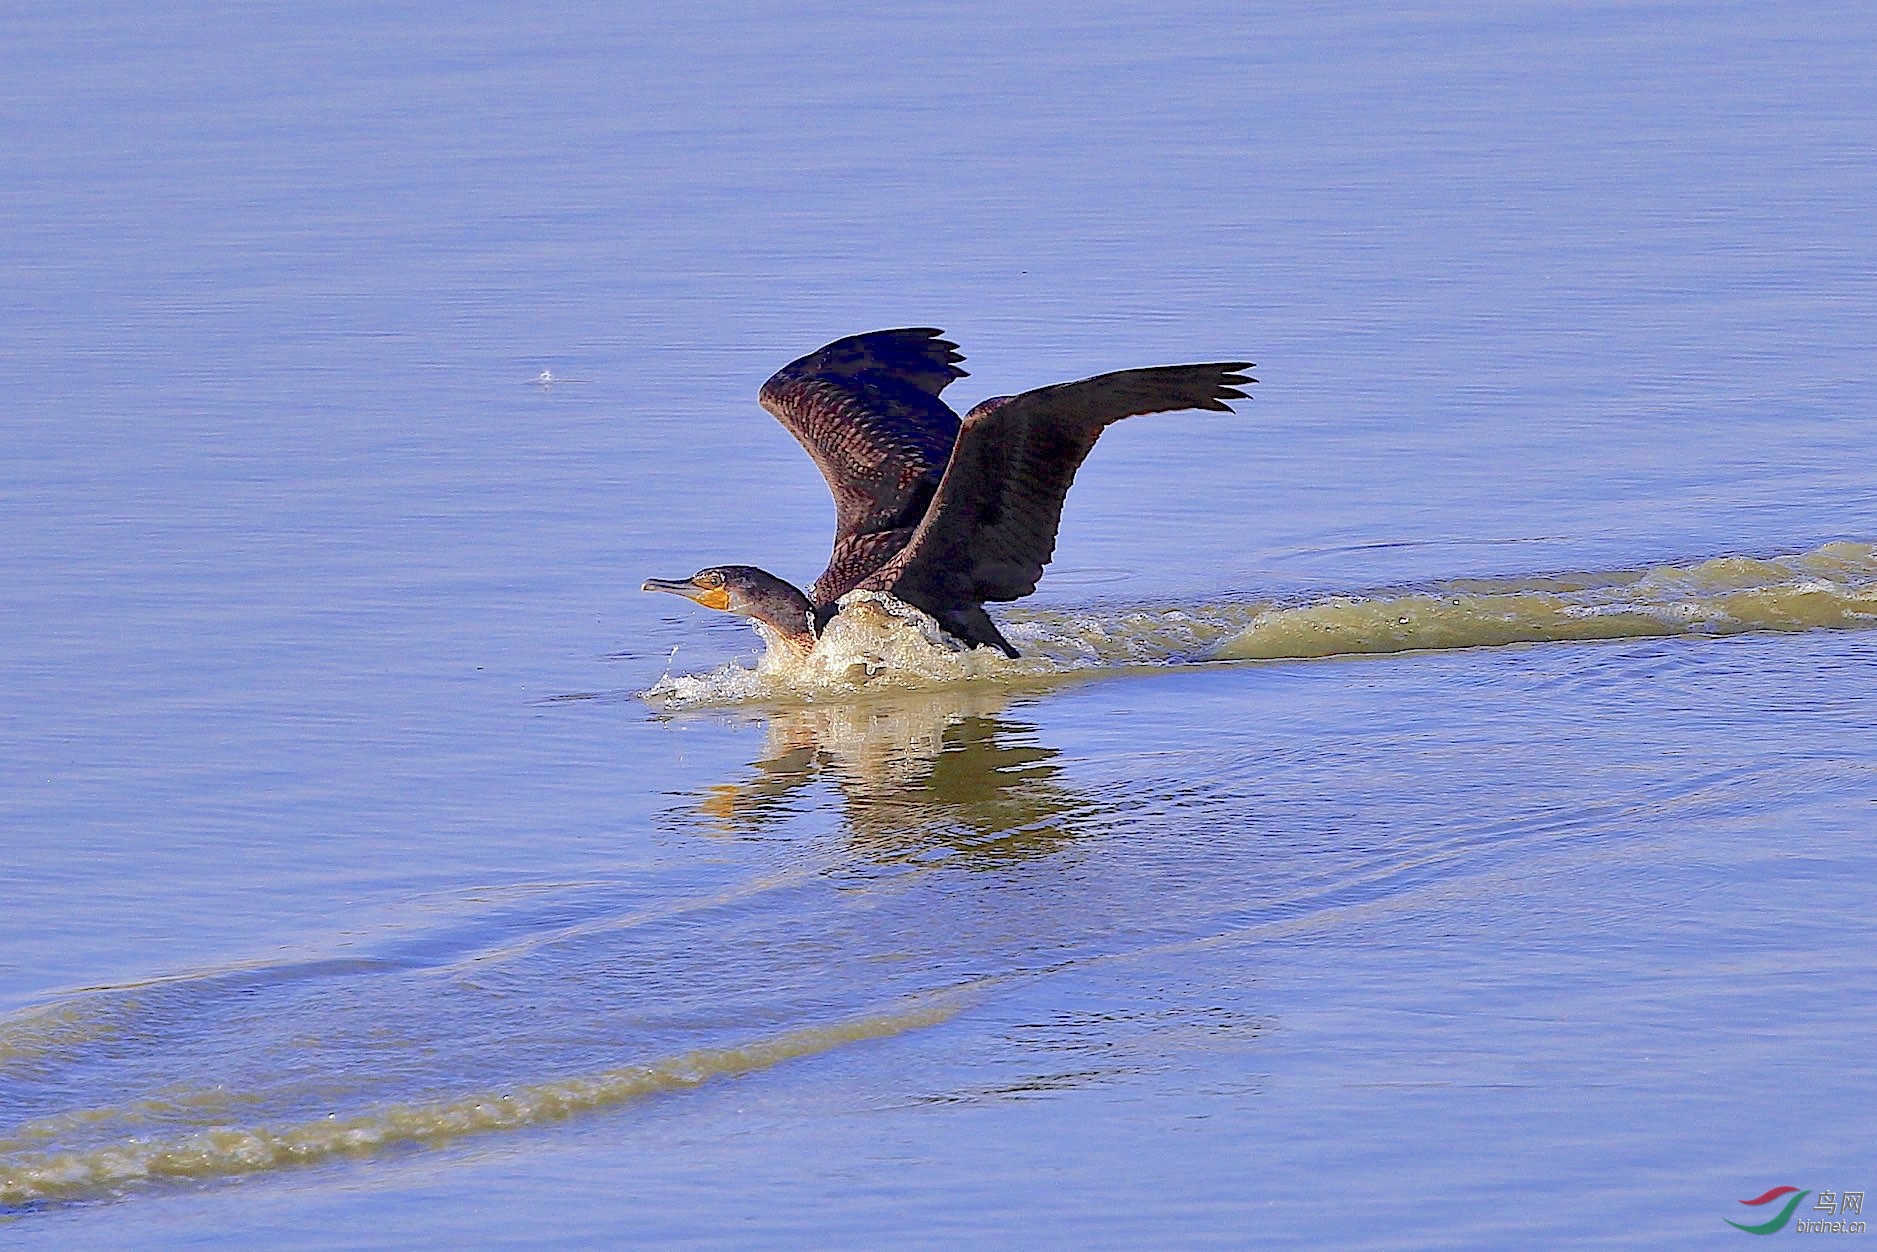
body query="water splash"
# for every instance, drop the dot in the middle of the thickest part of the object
(875, 642)
(878, 642)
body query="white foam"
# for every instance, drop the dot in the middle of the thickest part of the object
(875, 641)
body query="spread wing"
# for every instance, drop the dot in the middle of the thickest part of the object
(867, 409)
(992, 526)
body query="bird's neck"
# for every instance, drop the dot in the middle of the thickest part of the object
(793, 644)
(783, 615)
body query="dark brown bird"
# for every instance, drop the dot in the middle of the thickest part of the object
(939, 513)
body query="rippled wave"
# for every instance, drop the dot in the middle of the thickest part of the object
(198, 1135)
(878, 642)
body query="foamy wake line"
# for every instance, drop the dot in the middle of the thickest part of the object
(1831, 588)
(877, 642)
(222, 1151)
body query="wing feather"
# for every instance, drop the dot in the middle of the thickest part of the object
(867, 410)
(991, 526)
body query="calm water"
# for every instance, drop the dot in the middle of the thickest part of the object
(359, 894)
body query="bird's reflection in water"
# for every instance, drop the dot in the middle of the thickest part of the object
(919, 776)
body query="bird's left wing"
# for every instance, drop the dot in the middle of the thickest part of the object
(991, 528)
(867, 410)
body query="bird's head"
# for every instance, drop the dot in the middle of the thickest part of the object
(751, 592)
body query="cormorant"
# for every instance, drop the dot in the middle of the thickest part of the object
(939, 513)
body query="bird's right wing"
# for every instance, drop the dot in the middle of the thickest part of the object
(867, 409)
(991, 528)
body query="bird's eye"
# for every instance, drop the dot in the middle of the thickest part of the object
(712, 580)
